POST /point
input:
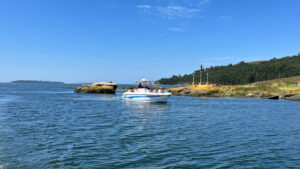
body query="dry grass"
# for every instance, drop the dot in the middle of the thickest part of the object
(265, 88)
(205, 87)
(255, 62)
(297, 91)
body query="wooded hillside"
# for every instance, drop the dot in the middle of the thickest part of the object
(242, 73)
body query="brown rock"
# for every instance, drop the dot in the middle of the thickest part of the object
(295, 97)
(103, 89)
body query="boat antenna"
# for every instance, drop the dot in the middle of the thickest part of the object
(193, 79)
(207, 77)
(201, 67)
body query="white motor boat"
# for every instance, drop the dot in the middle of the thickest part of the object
(145, 93)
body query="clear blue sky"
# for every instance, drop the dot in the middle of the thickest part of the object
(125, 40)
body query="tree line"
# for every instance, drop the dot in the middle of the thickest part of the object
(242, 73)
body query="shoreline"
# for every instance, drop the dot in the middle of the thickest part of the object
(242, 97)
(284, 88)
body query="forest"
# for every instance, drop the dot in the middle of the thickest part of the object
(241, 73)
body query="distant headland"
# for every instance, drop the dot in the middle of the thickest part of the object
(273, 79)
(35, 81)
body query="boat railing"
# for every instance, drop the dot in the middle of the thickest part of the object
(152, 90)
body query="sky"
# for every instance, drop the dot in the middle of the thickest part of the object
(76, 41)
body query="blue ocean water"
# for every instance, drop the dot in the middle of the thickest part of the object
(48, 126)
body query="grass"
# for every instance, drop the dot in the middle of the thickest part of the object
(267, 88)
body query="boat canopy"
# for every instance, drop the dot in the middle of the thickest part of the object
(145, 82)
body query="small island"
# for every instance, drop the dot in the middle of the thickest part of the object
(100, 87)
(35, 81)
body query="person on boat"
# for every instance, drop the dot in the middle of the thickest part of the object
(140, 86)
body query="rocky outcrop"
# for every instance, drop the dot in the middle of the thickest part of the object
(292, 96)
(206, 90)
(295, 97)
(196, 93)
(274, 97)
(102, 88)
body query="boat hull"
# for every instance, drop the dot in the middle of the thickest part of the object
(146, 98)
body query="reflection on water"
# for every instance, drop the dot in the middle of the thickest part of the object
(106, 97)
(99, 97)
(146, 107)
(7, 99)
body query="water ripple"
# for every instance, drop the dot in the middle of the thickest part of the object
(60, 129)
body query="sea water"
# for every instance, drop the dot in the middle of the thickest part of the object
(48, 126)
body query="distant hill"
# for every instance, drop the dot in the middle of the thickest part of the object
(34, 81)
(242, 73)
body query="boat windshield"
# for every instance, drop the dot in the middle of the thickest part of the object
(145, 83)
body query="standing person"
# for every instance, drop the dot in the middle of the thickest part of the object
(140, 86)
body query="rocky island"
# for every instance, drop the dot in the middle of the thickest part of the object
(100, 87)
(35, 81)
